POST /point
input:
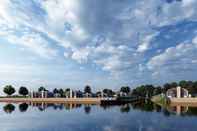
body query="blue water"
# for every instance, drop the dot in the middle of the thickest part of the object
(59, 117)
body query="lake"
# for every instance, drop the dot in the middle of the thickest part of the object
(139, 116)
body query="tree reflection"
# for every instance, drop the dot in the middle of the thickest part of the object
(9, 108)
(87, 109)
(143, 105)
(166, 112)
(125, 108)
(23, 107)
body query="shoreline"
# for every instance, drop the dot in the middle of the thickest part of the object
(53, 100)
(192, 102)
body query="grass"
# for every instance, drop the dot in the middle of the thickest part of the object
(15, 96)
(161, 100)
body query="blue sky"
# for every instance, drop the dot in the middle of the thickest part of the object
(103, 43)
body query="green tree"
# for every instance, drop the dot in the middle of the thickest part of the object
(23, 91)
(41, 89)
(87, 89)
(9, 90)
(166, 87)
(67, 90)
(173, 85)
(157, 90)
(125, 89)
(183, 84)
(108, 92)
(61, 92)
(55, 91)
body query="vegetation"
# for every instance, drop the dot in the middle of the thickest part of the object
(125, 89)
(23, 91)
(143, 91)
(9, 108)
(87, 89)
(55, 91)
(150, 90)
(60, 92)
(41, 89)
(108, 92)
(161, 100)
(9, 90)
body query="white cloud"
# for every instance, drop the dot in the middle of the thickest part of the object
(181, 55)
(81, 55)
(146, 43)
(127, 31)
(52, 25)
(60, 12)
(35, 43)
(187, 2)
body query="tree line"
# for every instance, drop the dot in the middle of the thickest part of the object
(141, 91)
(9, 90)
(151, 90)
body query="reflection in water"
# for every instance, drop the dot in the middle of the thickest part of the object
(9, 108)
(182, 110)
(125, 108)
(178, 110)
(142, 105)
(136, 116)
(55, 106)
(87, 109)
(23, 107)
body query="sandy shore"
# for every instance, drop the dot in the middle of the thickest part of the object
(192, 102)
(53, 100)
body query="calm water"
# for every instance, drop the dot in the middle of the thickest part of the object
(142, 116)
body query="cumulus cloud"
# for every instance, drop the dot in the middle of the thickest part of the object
(178, 60)
(120, 37)
(145, 43)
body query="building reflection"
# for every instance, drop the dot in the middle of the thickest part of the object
(178, 110)
(143, 105)
(55, 106)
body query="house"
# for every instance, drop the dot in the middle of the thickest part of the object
(177, 92)
(87, 94)
(42, 94)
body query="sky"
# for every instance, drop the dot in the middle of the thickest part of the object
(102, 43)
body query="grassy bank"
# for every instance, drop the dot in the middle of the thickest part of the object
(160, 100)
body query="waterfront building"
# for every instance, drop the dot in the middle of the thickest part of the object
(177, 92)
(42, 94)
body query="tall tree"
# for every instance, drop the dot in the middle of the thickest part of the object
(166, 87)
(157, 90)
(9, 90)
(174, 85)
(108, 92)
(61, 92)
(41, 89)
(87, 89)
(183, 83)
(125, 89)
(55, 91)
(23, 91)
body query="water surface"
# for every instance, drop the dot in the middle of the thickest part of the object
(141, 116)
